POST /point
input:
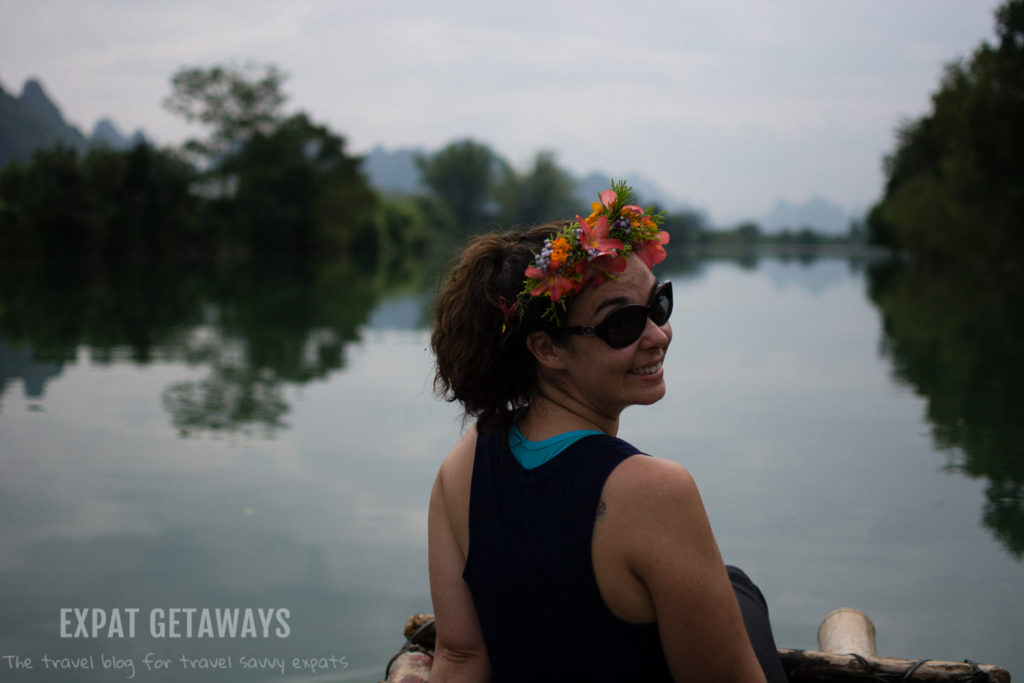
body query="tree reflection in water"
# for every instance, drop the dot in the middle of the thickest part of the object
(259, 327)
(958, 341)
(256, 327)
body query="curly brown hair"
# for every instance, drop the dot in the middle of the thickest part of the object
(492, 374)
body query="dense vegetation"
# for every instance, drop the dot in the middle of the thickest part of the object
(266, 184)
(954, 201)
(954, 190)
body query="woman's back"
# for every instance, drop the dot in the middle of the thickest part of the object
(530, 571)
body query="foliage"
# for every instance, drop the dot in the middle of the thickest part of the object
(107, 203)
(235, 103)
(543, 193)
(296, 190)
(463, 175)
(475, 189)
(270, 186)
(955, 182)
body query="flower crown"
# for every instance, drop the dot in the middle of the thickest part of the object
(590, 250)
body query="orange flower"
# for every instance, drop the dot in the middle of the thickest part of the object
(559, 253)
(607, 198)
(634, 213)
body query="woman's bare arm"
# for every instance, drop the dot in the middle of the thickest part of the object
(460, 653)
(668, 544)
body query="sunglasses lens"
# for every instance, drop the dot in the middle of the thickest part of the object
(624, 326)
(661, 307)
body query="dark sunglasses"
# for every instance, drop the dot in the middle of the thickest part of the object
(625, 325)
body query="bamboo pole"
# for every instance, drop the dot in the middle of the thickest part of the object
(841, 632)
(847, 631)
(847, 639)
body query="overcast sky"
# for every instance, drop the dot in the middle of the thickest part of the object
(730, 106)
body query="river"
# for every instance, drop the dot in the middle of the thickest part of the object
(190, 457)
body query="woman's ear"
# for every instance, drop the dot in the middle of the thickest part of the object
(544, 350)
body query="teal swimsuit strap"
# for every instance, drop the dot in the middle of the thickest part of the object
(532, 454)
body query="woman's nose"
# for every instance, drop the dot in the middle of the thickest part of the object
(656, 335)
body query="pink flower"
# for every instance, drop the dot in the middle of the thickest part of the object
(608, 198)
(553, 283)
(595, 272)
(652, 252)
(595, 240)
(507, 311)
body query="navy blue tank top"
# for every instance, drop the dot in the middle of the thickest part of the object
(530, 571)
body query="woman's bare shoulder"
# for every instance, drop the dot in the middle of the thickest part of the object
(658, 501)
(458, 464)
(451, 487)
(652, 481)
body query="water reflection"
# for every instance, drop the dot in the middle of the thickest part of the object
(253, 327)
(775, 376)
(959, 342)
(20, 364)
(256, 329)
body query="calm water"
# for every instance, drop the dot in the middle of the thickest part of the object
(214, 469)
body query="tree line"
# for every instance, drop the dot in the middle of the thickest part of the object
(262, 183)
(954, 191)
(259, 184)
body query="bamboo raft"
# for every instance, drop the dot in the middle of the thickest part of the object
(846, 642)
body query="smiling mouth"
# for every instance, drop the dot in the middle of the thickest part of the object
(649, 370)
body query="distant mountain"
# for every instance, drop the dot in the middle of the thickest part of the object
(106, 134)
(395, 171)
(32, 121)
(816, 213)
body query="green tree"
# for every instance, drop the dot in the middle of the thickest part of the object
(297, 190)
(955, 182)
(279, 185)
(748, 232)
(463, 175)
(128, 203)
(235, 103)
(543, 193)
(686, 227)
(47, 210)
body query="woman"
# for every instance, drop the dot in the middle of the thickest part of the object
(557, 551)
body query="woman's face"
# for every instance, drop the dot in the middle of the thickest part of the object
(606, 379)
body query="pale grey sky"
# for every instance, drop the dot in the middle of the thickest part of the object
(729, 105)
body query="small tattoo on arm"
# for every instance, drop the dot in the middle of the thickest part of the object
(601, 508)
